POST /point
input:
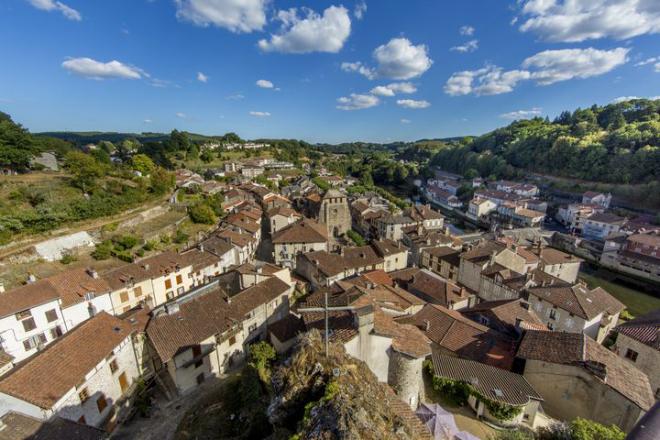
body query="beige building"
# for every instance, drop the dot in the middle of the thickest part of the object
(280, 218)
(297, 238)
(638, 342)
(442, 260)
(576, 309)
(577, 377)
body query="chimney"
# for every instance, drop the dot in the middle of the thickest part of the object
(93, 273)
(427, 325)
(201, 247)
(259, 270)
(31, 278)
(145, 266)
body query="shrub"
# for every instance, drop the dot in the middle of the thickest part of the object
(125, 242)
(103, 251)
(583, 429)
(202, 213)
(68, 258)
(356, 238)
(180, 237)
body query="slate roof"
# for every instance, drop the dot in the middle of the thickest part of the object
(645, 329)
(48, 375)
(579, 300)
(512, 388)
(579, 350)
(18, 426)
(304, 231)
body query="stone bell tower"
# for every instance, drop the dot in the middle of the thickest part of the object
(334, 213)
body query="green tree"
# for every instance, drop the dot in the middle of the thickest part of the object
(143, 164)
(202, 213)
(583, 429)
(161, 181)
(84, 168)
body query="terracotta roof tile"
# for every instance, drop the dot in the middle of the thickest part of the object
(645, 329)
(17, 426)
(579, 300)
(304, 231)
(48, 375)
(24, 297)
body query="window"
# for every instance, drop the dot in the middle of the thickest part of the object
(137, 292)
(29, 324)
(232, 340)
(24, 314)
(51, 315)
(101, 403)
(179, 279)
(196, 350)
(83, 395)
(632, 355)
(168, 284)
(55, 332)
(179, 290)
(252, 327)
(113, 366)
(123, 297)
(553, 314)
(169, 295)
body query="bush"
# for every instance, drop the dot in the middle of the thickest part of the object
(356, 238)
(68, 258)
(180, 237)
(103, 251)
(583, 429)
(512, 435)
(202, 213)
(125, 242)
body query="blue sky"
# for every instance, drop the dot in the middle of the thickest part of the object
(326, 71)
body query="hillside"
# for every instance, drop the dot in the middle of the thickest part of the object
(93, 137)
(617, 143)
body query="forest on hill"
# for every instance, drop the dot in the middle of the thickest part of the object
(618, 143)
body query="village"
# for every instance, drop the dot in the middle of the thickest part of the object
(501, 312)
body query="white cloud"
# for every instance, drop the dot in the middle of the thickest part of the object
(565, 64)
(181, 115)
(580, 20)
(313, 33)
(264, 84)
(394, 88)
(490, 80)
(412, 103)
(51, 5)
(466, 30)
(234, 15)
(359, 10)
(201, 77)
(260, 114)
(469, 46)
(544, 68)
(359, 68)
(400, 59)
(628, 98)
(147, 121)
(522, 114)
(235, 97)
(357, 102)
(656, 67)
(647, 61)
(405, 121)
(93, 69)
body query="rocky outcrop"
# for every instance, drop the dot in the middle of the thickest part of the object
(337, 397)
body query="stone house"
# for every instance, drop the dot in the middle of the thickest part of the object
(417, 238)
(244, 224)
(394, 254)
(478, 208)
(303, 236)
(573, 215)
(206, 332)
(323, 268)
(559, 264)
(275, 201)
(443, 260)
(433, 289)
(279, 218)
(426, 217)
(85, 376)
(638, 342)
(577, 377)
(453, 334)
(391, 226)
(636, 254)
(170, 275)
(510, 317)
(245, 245)
(494, 384)
(576, 309)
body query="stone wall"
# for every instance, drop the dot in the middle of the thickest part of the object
(405, 376)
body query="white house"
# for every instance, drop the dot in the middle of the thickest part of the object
(596, 198)
(304, 236)
(83, 377)
(600, 225)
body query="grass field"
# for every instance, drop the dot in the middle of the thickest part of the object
(637, 302)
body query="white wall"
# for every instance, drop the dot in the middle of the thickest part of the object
(79, 312)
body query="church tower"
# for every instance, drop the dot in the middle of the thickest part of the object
(334, 213)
